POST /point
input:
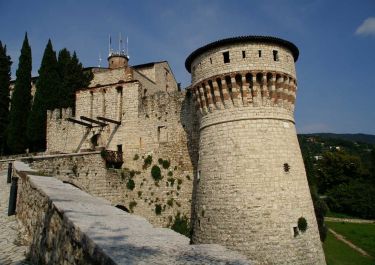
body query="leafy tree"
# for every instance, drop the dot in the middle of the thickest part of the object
(48, 91)
(356, 198)
(72, 76)
(5, 64)
(320, 207)
(336, 168)
(21, 102)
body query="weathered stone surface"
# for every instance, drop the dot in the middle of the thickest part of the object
(68, 226)
(251, 187)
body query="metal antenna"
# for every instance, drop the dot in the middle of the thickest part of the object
(119, 43)
(127, 47)
(109, 46)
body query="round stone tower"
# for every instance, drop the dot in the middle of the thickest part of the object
(251, 186)
(117, 60)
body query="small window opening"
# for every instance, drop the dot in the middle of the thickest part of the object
(286, 167)
(243, 54)
(211, 60)
(259, 53)
(119, 148)
(295, 231)
(226, 57)
(275, 55)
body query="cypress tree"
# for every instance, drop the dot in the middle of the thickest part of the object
(64, 61)
(73, 77)
(21, 102)
(5, 64)
(48, 91)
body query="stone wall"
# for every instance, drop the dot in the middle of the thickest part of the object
(173, 193)
(211, 63)
(251, 186)
(65, 225)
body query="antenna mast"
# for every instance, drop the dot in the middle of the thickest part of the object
(109, 46)
(100, 59)
(127, 47)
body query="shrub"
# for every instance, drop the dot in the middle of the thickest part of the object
(166, 164)
(178, 187)
(136, 157)
(187, 177)
(139, 194)
(170, 173)
(170, 202)
(181, 225)
(179, 181)
(132, 173)
(157, 209)
(132, 204)
(130, 184)
(147, 161)
(302, 224)
(160, 160)
(156, 173)
(171, 180)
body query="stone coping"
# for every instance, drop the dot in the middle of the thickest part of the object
(119, 236)
(45, 156)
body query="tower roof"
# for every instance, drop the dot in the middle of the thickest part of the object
(241, 39)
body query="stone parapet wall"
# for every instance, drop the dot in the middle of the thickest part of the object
(88, 172)
(211, 63)
(65, 225)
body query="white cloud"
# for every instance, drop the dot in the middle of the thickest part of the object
(367, 27)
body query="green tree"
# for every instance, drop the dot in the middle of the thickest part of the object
(320, 206)
(47, 97)
(72, 76)
(21, 102)
(5, 64)
(336, 168)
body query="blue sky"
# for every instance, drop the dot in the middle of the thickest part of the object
(335, 70)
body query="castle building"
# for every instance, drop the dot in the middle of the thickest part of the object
(232, 129)
(251, 188)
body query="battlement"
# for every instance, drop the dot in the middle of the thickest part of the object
(59, 114)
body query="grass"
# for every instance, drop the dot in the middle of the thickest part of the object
(338, 253)
(361, 235)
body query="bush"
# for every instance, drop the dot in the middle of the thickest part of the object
(147, 161)
(302, 224)
(132, 204)
(157, 209)
(136, 157)
(139, 194)
(171, 180)
(170, 202)
(130, 184)
(179, 181)
(160, 160)
(166, 164)
(156, 173)
(181, 225)
(170, 173)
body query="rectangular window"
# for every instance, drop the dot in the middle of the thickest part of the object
(243, 54)
(211, 60)
(259, 53)
(275, 55)
(226, 57)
